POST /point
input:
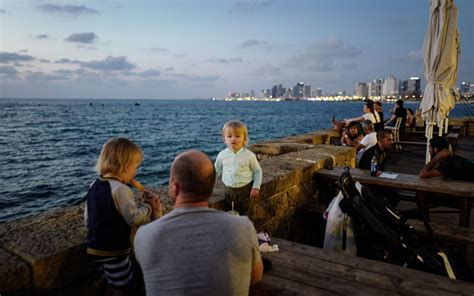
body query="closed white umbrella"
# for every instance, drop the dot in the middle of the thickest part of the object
(441, 51)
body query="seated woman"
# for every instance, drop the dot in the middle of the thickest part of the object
(411, 119)
(352, 135)
(369, 114)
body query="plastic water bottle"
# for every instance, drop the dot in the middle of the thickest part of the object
(373, 166)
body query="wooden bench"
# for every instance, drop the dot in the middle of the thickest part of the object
(452, 139)
(455, 129)
(458, 191)
(304, 270)
(447, 233)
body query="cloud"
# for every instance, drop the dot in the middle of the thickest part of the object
(225, 61)
(250, 6)
(3, 11)
(8, 71)
(180, 55)
(42, 36)
(67, 9)
(350, 66)
(252, 43)
(87, 38)
(150, 73)
(66, 61)
(109, 64)
(194, 78)
(323, 56)
(169, 69)
(157, 49)
(416, 55)
(267, 70)
(41, 76)
(45, 61)
(6, 57)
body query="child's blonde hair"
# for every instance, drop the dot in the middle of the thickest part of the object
(116, 154)
(236, 125)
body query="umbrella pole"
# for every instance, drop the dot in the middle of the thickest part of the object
(429, 136)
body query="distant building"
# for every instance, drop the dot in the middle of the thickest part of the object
(266, 93)
(319, 92)
(413, 87)
(390, 87)
(234, 95)
(375, 88)
(465, 88)
(307, 91)
(252, 93)
(362, 90)
(298, 90)
(274, 91)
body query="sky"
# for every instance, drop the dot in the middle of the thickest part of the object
(184, 49)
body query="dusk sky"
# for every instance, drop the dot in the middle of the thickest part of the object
(175, 49)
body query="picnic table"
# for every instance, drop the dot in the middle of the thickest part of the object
(305, 270)
(457, 190)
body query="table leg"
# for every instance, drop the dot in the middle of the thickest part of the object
(422, 204)
(465, 212)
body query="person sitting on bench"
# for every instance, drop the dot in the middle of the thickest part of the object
(445, 163)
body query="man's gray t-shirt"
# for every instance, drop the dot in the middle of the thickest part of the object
(197, 251)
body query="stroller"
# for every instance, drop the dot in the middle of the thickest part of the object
(381, 234)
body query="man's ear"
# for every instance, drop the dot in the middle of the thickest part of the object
(173, 190)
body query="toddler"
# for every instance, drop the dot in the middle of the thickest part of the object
(240, 170)
(111, 212)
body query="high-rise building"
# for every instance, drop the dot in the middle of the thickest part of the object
(413, 86)
(252, 93)
(362, 90)
(298, 90)
(274, 91)
(266, 93)
(390, 87)
(234, 95)
(375, 88)
(307, 91)
(319, 92)
(464, 88)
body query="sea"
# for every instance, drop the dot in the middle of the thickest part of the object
(49, 147)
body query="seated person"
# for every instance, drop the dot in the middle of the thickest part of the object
(369, 140)
(411, 119)
(369, 114)
(384, 142)
(378, 108)
(445, 163)
(352, 135)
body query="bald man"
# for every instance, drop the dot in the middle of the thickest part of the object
(196, 250)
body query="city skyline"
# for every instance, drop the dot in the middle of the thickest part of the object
(201, 49)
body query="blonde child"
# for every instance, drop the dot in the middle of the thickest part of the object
(111, 212)
(240, 170)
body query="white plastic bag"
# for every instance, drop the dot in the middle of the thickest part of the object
(335, 227)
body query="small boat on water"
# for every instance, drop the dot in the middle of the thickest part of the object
(137, 104)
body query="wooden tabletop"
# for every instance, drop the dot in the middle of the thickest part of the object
(304, 270)
(407, 182)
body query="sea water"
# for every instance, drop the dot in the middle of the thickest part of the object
(48, 148)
